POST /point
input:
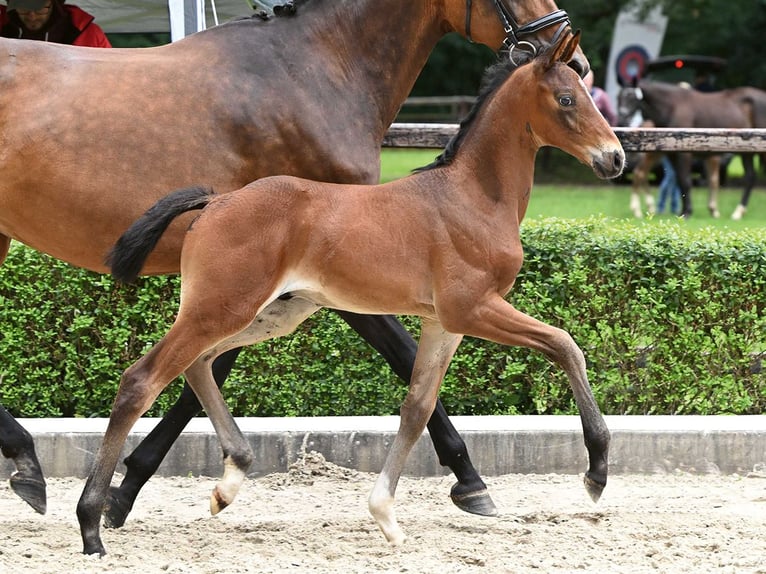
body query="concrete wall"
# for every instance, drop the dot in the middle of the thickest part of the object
(497, 445)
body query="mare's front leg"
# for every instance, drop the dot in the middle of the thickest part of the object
(497, 320)
(387, 336)
(17, 444)
(434, 354)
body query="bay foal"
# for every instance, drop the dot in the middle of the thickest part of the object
(442, 244)
(309, 92)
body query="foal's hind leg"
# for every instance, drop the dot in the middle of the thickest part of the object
(434, 354)
(139, 386)
(280, 318)
(387, 336)
(237, 454)
(143, 462)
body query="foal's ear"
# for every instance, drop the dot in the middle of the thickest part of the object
(574, 41)
(565, 49)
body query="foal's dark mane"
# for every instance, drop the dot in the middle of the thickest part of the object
(494, 77)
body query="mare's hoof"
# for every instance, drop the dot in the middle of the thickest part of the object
(594, 488)
(94, 548)
(116, 510)
(475, 502)
(31, 490)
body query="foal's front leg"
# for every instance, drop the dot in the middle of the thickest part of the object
(497, 320)
(387, 336)
(434, 354)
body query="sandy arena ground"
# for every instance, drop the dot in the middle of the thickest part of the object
(314, 519)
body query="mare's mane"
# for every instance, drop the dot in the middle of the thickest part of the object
(494, 77)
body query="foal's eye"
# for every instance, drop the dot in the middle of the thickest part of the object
(566, 101)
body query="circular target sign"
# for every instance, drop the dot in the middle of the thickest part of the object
(631, 63)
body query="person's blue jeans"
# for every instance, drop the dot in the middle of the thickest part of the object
(669, 188)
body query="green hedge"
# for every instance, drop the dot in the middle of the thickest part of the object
(670, 320)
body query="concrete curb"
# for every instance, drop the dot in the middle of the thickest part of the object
(497, 444)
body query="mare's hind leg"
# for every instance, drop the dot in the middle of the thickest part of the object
(17, 444)
(497, 320)
(434, 354)
(747, 163)
(143, 462)
(27, 481)
(387, 336)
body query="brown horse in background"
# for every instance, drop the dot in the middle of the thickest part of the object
(674, 106)
(645, 162)
(444, 242)
(91, 138)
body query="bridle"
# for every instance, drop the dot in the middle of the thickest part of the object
(515, 34)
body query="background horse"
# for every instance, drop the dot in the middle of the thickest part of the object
(674, 106)
(91, 138)
(284, 247)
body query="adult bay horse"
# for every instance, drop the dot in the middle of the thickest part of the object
(91, 138)
(674, 106)
(445, 243)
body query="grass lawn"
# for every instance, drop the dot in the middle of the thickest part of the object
(570, 190)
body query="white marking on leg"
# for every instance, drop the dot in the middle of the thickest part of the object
(381, 505)
(226, 490)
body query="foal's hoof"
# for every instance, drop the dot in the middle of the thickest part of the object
(218, 501)
(594, 488)
(31, 490)
(475, 502)
(116, 510)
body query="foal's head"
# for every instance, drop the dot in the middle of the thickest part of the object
(561, 113)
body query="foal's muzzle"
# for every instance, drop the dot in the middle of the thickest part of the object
(609, 164)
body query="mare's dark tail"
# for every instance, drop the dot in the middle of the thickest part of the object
(127, 257)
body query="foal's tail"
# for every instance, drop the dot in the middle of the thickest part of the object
(127, 257)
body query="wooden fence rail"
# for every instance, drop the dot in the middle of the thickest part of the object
(633, 139)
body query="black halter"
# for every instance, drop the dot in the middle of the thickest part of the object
(515, 34)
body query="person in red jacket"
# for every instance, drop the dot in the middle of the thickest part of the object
(51, 21)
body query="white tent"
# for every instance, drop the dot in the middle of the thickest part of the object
(179, 17)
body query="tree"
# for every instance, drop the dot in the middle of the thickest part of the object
(721, 28)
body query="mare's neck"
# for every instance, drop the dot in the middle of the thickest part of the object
(377, 48)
